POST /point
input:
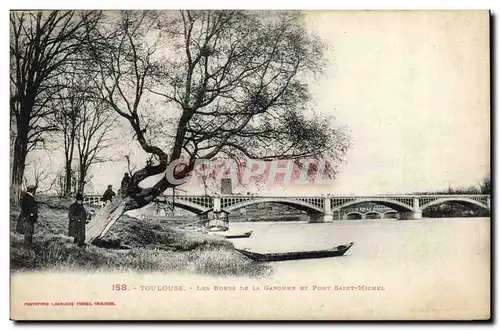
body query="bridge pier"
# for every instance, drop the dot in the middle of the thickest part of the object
(327, 206)
(320, 218)
(217, 207)
(316, 218)
(412, 215)
(326, 216)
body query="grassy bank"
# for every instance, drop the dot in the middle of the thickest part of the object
(155, 246)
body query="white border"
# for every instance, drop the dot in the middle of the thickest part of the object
(256, 4)
(197, 4)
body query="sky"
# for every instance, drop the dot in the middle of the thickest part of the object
(412, 88)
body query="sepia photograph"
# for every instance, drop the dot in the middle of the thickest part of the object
(250, 165)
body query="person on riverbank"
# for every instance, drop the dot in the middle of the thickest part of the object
(77, 219)
(125, 180)
(108, 195)
(28, 217)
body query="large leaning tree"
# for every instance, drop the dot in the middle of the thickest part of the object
(196, 85)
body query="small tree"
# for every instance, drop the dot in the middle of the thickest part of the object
(93, 137)
(69, 102)
(39, 175)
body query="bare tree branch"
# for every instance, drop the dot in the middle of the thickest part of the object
(231, 83)
(42, 45)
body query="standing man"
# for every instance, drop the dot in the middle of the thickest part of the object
(125, 180)
(108, 194)
(28, 216)
(77, 220)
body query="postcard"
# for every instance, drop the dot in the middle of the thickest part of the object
(250, 165)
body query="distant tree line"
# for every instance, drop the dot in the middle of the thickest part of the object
(483, 188)
(457, 209)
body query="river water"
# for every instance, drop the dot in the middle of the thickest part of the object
(429, 269)
(426, 264)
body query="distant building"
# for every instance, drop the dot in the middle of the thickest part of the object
(226, 187)
(215, 220)
(262, 209)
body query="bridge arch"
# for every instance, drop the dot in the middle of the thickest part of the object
(392, 214)
(353, 215)
(188, 206)
(185, 205)
(393, 204)
(461, 200)
(298, 204)
(378, 215)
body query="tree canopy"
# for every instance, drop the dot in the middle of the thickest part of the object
(206, 83)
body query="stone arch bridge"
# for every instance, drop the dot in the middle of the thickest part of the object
(320, 209)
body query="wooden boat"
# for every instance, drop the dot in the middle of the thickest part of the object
(333, 252)
(217, 228)
(242, 235)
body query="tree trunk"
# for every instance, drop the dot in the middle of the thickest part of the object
(82, 174)
(67, 179)
(81, 185)
(21, 143)
(18, 165)
(137, 198)
(106, 217)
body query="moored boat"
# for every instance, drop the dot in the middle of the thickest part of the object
(242, 235)
(214, 229)
(336, 251)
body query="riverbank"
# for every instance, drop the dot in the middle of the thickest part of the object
(425, 269)
(153, 246)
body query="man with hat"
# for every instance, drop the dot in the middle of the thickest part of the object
(108, 194)
(28, 216)
(125, 180)
(77, 220)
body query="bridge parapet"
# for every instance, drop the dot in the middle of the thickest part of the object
(408, 206)
(92, 199)
(203, 201)
(228, 201)
(396, 202)
(480, 200)
(313, 204)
